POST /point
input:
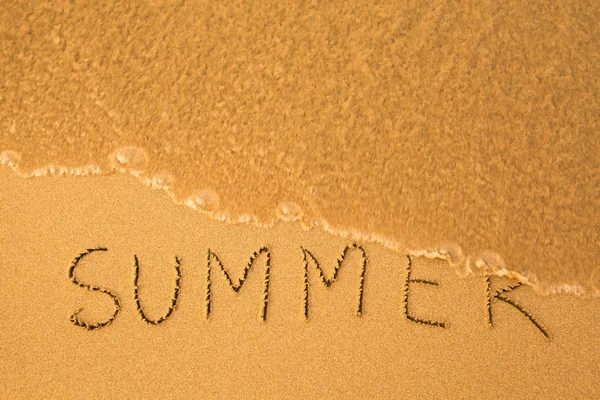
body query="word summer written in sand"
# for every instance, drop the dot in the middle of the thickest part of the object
(310, 263)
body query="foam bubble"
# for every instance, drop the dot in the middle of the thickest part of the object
(206, 199)
(289, 211)
(129, 156)
(490, 260)
(453, 251)
(10, 158)
(247, 218)
(162, 181)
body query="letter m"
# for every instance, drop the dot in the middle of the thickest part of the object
(214, 258)
(327, 282)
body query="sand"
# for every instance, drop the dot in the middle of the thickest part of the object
(48, 221)
(468, 127)
(299, 199)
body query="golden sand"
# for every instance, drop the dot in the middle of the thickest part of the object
(48, 221)
(466, 127)
(357, 199)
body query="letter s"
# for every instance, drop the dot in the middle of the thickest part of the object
(75, 318)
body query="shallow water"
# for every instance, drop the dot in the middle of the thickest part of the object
(466, 129)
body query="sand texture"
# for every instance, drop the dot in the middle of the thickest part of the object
(47, 222)
(299, 199)
(466, 127)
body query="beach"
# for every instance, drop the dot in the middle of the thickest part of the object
(299, 199)
(49, 221)
(431, 125)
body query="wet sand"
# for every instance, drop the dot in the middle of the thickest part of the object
(354, 200)
(468, 128)
(48, 221)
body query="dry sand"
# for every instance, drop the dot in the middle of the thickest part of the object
(48, 221)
